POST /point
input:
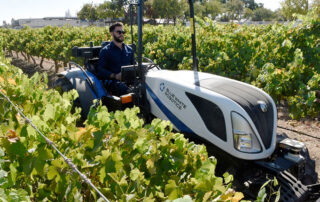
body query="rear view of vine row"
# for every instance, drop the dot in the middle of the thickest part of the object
(284, 60)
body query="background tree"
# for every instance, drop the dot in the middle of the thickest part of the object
(150, 11)
(4, 23)
(198, 9)
(290, 7)
(278, 16)
(169, 9)
(212, 8)
(251, 4)
(88, 12)
(177, 9)
(110, 9)
(160, 8)
(316, 6)
(234, 9)
(247, 14)
(263, 14)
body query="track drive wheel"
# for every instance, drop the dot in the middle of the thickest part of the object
(310, 176)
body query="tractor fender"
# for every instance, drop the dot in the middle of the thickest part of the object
(87, 93)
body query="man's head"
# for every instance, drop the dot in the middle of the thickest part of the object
(116, 31)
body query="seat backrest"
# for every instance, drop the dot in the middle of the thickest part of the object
(91, 62)
(88, 52)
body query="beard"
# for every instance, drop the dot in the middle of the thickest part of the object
(118, 39)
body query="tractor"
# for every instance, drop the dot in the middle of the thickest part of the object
(236, 121)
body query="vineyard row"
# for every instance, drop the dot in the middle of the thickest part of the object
(284, 60)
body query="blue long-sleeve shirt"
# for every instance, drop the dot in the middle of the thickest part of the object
(111, 58)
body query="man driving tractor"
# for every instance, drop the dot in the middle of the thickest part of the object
(112, 57)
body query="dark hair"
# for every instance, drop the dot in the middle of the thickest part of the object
(113, 26)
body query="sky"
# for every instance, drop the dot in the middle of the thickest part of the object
(270, 4)
(21, 9)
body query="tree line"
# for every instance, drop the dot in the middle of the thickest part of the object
(220, 10)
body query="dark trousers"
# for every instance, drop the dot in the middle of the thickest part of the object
(115, 87)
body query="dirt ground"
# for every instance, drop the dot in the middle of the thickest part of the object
(307, 130)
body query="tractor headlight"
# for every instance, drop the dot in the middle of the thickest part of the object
(244, 138)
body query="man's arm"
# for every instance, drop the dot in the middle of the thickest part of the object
(103, 72)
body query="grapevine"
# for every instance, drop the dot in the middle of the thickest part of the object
(125, 158)
(283, 60)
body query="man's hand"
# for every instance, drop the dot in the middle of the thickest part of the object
(118, 76)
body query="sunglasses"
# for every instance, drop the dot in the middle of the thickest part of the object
(121, 32)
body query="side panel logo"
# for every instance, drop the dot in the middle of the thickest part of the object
(172, 97)
(162, 87)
